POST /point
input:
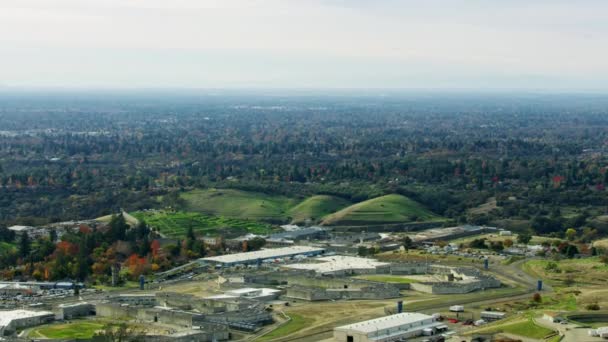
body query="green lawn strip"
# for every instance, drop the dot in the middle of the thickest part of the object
(526, 328)
(296, 323)
(79, 330)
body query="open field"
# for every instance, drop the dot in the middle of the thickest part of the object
(296, 323)
(384, 209)
(239, 204)
(176, 224)
(316, 207)
(569, 272)
(524, 327)
(76, 330)
(387, 279)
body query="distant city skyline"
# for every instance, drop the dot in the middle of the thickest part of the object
(426, 44)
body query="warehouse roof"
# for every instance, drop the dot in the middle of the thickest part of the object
(6, 317)
(383, 323)
(336, 263)
(263, 254)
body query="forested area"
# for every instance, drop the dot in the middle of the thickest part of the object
(76, 156)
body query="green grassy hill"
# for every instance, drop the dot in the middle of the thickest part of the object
(381, 210)
(239, 204)
(316, 207)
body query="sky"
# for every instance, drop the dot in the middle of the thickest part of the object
(422, 44)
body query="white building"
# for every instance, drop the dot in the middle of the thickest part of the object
(599, 332)
(12, 320)
(389, 328)
(263, 255)
(251, 293)
(340, 265)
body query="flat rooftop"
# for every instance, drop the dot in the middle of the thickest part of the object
(383, 323)
(264, 254)
(336, 263)
(6, 317)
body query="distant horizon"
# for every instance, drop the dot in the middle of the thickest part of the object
(369, 92)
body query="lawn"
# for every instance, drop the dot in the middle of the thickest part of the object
(79, 330)
(239, 204)
(526, 328)
(316, 207)
(387, 279)
(296, 323)
(381, 210)
(176, 224)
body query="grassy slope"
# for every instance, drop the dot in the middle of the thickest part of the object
(81, 330)
(526, 328)
(380, 210)
(588, 271)
(296, 323)
(316, 207)
(176, 224)
(238, 204)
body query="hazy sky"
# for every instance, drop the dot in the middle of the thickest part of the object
(514, 44)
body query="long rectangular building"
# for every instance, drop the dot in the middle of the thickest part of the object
(340, 265)
(251, 258)
(12, 320)
(390, 328)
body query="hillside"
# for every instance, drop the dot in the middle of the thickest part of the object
(381, 210)
(238, 204)
(316, 207)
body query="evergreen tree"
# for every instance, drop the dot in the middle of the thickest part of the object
(24, 245)
(118, 227)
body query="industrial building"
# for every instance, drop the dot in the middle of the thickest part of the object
(342, 265)
(264, 255)
(389, 328)
(251, 293)
(12, 320)
(75, 310)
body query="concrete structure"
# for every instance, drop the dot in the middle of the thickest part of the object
(458, 280)
(342, 265)
(390, 328)
(11, 290)
(74, 310)
(135, 299)
(12, 320)
(373, 291)
(599, 332)
(264, 255)
(553, 317)
(300, 234)
(489, 316)
(263, 294)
